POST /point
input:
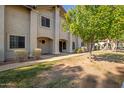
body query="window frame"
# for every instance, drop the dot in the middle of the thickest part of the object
(46, 22)
(18, 40)
(82, 44)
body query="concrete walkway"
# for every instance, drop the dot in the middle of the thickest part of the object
(21, 64)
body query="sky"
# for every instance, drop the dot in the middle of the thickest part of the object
(67, 7)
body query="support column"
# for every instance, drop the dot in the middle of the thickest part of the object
(57, 30)
(2, 34)
(33, 31)
(70, 43)
(78, 42)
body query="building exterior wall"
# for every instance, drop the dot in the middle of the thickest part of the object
(56, 31)
(63, 34)
(45, 31)
(78, 45)
(2, 34)
(33, 31)
(74, 39)
(17, 22)
(22, 21)
(46, 47)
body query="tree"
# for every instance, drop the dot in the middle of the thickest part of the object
(91, 23)
(116, 28)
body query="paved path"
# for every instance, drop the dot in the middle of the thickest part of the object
(16, 65)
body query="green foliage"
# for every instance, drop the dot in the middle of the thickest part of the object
(80, 50)
(94, 23)
(117, 23)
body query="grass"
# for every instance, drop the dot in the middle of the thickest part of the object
(111, 57)
(15, 77)
(71, 72)
(59, 83)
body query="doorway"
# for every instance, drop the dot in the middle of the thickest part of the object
(60, 46)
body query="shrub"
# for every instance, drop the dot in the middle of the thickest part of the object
(80, 50)
(37, 53)
(21, 54)
(76, 50)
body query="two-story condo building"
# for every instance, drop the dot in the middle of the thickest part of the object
(29, 27)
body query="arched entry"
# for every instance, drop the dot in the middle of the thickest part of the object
(62, 45)
(46, 44)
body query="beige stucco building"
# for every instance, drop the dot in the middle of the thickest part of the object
(29, 27)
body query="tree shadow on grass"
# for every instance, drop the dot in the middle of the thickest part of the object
(71, 77)
(121, 74)
(114, 80)
(89, 81)
(111, 81)
(68, 77)
(110, 57)
(121, 70)
(24, 76)
(13, 77)
(58, 76)
(120, 51)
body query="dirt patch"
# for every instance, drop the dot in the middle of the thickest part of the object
(78, 72)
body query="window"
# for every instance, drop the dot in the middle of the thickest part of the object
(45, 21)
(64, 45)
(73, 45)
(82, 44)
(17, 41)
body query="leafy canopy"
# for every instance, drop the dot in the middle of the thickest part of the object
(93, 23)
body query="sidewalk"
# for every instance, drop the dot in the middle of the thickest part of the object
(16, 65)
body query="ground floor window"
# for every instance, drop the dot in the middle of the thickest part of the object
(82, 44)
(73, 45)
(17, 41)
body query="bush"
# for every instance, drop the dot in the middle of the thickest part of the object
(21, 54)
(84, 49)
(80, 50)
(37, 53)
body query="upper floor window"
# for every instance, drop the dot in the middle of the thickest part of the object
(17, 41)
(45, 21)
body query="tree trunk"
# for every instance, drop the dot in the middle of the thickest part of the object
(114, 45)
(90, 51)
(107, 45)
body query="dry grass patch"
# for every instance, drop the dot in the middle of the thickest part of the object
(107, 70)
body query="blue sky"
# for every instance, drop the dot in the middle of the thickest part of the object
(67, 7)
